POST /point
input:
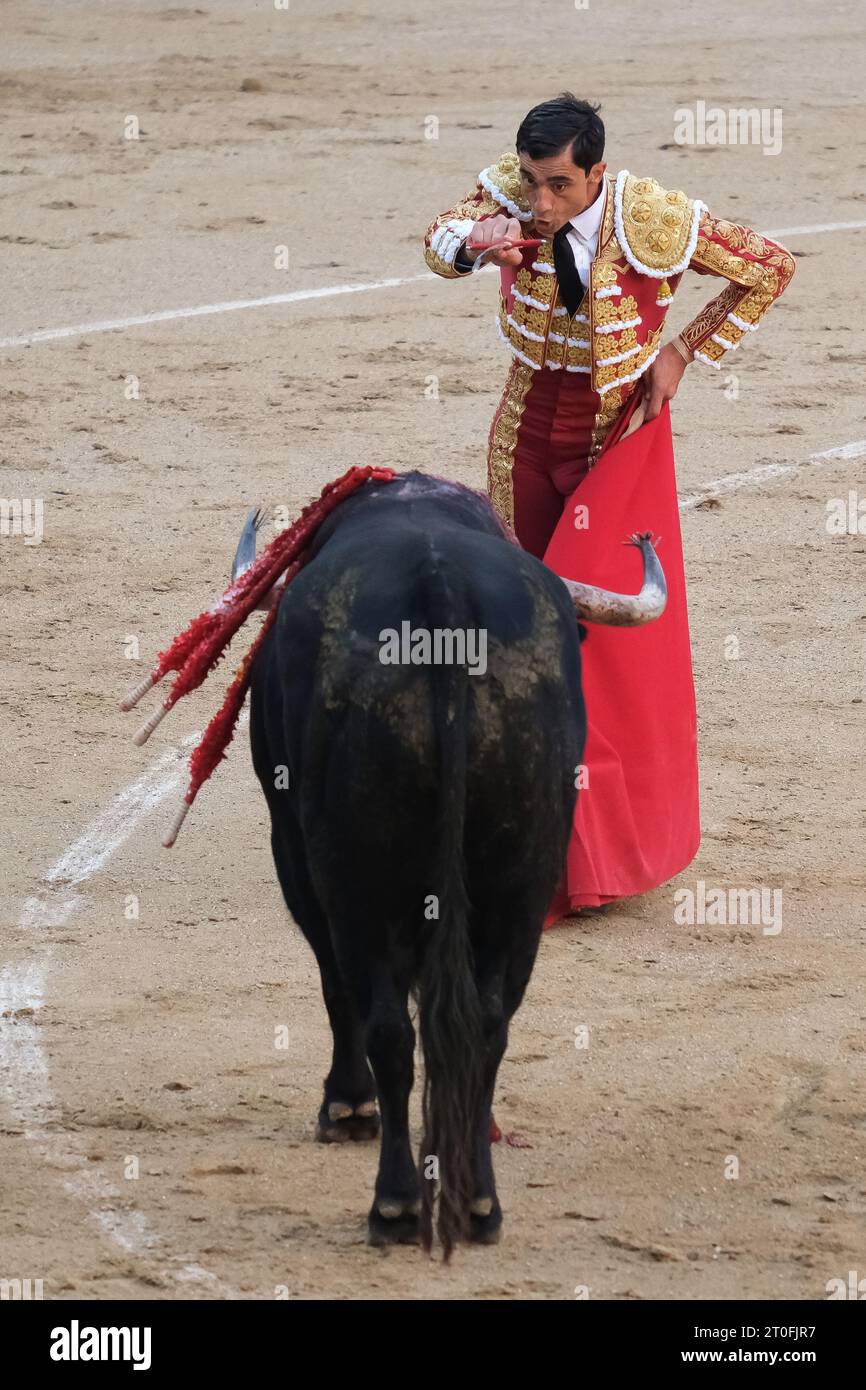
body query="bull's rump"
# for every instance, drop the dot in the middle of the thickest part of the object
(369, 742)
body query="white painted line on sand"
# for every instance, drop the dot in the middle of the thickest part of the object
(732, 482)
(814, 228)
(229, 306)
(25, 1079)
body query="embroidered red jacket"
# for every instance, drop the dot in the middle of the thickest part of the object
(648, 237)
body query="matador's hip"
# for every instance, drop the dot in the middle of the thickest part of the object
(546, 434)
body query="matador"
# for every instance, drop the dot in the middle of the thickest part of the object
(583, 300)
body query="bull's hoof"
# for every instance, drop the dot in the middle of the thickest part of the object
(340, 1123)
(394, 1221)
(485, 1221)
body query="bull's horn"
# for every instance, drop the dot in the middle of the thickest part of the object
(246, 551)
(624, 610)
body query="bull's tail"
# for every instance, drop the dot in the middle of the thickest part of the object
(449, 1009)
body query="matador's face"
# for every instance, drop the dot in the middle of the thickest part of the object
(556, 189)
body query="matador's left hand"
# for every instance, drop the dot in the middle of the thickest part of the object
(663, 379)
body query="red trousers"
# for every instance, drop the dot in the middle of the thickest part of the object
(550, 457)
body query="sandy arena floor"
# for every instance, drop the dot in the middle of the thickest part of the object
(153, 1039)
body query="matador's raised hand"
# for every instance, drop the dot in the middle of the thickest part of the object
(490, 230)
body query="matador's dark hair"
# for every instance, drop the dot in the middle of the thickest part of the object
(555, 125)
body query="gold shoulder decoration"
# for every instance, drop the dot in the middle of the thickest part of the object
(656, 228)
(502, 181)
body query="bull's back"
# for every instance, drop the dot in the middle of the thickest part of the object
(390, 646)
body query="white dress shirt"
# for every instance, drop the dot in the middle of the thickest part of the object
(582, 236)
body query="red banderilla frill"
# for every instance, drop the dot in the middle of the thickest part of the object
(196, 650)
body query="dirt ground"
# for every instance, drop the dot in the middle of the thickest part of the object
(152, 1038)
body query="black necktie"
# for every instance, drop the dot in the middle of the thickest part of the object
(571, 287)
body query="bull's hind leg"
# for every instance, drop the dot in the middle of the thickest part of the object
(390, 1038)
(505, 948)
(348, 1109)
(485, 1218)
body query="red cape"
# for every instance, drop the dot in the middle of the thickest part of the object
(636, 823)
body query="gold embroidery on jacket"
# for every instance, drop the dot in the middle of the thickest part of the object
(730, 332)
(607, 221)
(535, 320)
(657, 222)
(755, 284)
(440, 267)
(503, 440)
(605, 276)
(529, 347)
(615, 311)
(610, 346)
(714, 351)
(604, 375)
(480, 204)
(609, 408)
(745, 239)
(724, 262)
(712, 315)
(505, 174)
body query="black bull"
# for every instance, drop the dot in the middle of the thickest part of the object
(420, 815)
